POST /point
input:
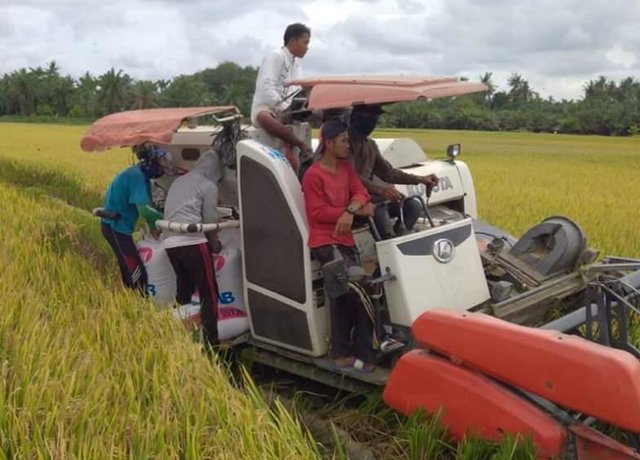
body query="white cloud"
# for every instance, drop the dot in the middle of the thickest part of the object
(556, 44)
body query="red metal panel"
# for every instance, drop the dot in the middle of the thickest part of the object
(571, 371)
(593, 445)
(471, 402)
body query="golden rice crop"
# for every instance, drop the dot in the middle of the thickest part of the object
(57, 147)
(522, 178)
(89, 370)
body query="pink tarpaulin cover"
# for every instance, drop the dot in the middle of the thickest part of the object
(138, 126)
(337, 92)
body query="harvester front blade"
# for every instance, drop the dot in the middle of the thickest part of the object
(469, 402)
(568, 370)
(593, 445)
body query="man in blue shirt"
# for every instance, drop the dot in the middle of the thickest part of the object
(129, 197)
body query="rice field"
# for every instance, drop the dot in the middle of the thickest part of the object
(88, 370)
(522, 178)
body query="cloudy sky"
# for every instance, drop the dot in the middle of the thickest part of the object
(557, 45)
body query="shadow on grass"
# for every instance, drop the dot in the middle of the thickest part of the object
(82, 235)
(40, 181)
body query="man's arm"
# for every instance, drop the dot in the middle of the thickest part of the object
(357, 190)
(358, 197)
(138, 189)
(371, 186)
(268, 81)
(295, 74)
(385, 170)
(139, 197)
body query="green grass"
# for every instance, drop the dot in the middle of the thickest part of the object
(393, 436)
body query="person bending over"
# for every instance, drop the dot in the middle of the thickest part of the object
(192, 199)
(128, 198)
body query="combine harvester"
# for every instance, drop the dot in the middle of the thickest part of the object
(523, 336)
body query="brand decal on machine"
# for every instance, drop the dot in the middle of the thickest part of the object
(444, 183)
(443, 250)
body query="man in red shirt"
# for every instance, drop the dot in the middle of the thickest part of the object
(333, 195)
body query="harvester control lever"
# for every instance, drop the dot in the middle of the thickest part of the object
(429, 190)
(425, 206)
(381, 279)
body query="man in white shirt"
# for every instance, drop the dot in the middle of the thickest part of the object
(272, 96)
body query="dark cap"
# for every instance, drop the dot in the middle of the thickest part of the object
(329, 130)
(374, 109)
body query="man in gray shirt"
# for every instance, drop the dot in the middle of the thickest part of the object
(191, 199)
(369, 162)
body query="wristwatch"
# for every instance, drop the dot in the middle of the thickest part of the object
(351, 209)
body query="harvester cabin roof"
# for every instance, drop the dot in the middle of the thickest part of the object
(347, 91)
(125, 129)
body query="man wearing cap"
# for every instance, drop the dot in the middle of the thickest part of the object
(272, 96)
(369, 162)
(333, 195)
(127, 199)
(193, 198)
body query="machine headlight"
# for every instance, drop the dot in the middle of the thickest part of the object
(453, 151)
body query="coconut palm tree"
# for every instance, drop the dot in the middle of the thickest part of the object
(145, 94)
(520, 93)
(486, 78)
(23, 91)
(114, 90)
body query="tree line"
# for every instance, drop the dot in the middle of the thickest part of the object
(606, 107)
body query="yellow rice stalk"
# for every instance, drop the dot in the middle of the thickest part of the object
(89, 370)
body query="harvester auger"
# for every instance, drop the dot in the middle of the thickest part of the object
(529, 336)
